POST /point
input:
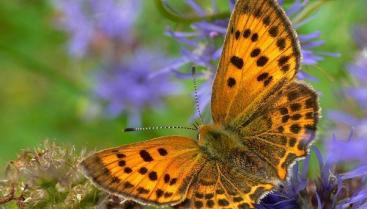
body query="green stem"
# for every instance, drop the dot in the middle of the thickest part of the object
(177, 18)
(309, 10)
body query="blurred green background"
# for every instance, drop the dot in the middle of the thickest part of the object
(44, 92)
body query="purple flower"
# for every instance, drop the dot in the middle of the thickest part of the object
(358, 201)
(286, 197)
(329, 190)
(125, 84)
(349, 152)
(359, 71)
(128, 87)
(201, 45)
(301, 192)
(353, 149)
(355, 118)
(89, 21)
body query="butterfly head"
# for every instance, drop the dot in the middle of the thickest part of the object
(208, 131)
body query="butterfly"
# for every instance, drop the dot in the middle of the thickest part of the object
(264, 120)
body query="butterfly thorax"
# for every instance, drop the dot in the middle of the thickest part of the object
(217, 142)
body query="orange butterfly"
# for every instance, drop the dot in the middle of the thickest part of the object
(264, 121)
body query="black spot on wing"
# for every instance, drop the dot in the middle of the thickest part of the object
(254, 37)
(145, 156)
(120, 155)
(292, 141)
(162, 152)
(223, 202)
(267, 20)
(283, 110)
(295, 128)
(143, 170)
(153, 176)
(237, 61)
(142, 190)
(295, 106)
(296, 116)
(128, 170)
(173, 181)
(255, 52)
(283, 60)
(237, 35)
(198, 204)
(166, 178)
(285, 118)
(210, 203)
(268, 81)
(159, 193)
(231, 82)
(262, 61)
(273, 31)
(262, 76)
(168, 194)
(122, 163)
(246, 33)
(128, 185)
(281, 43)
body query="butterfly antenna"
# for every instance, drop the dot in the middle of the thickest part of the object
(196, 93)
(158, 127)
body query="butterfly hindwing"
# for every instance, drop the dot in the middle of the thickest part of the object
(219, 186)
(295, 115)
(261, 49)
(156, 172)
(281, 130)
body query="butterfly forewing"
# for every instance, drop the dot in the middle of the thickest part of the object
(158, 171)
(261, 49)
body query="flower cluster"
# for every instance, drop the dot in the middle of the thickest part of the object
(301, 192)
(350, 151)
(123, 83)
(130, 86)
(49, 177)
(92, 23)
(46, 175)
(330, 189)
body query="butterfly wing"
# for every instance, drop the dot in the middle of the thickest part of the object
(281, 129)
(218, 186)
(261, 50)
(255, 96)
(156, 172)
